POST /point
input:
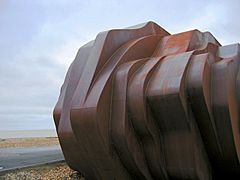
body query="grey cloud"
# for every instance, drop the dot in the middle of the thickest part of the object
(39, 39)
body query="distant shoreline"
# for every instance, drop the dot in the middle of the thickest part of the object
(7, 134)
(28, 142)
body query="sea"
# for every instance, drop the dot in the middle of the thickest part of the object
(6, 134)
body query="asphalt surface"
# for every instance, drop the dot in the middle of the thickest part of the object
(15, 158)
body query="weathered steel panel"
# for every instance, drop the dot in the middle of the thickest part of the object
(139, 103)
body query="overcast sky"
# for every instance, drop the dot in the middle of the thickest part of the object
(39, 40)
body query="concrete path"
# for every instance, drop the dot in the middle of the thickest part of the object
(14, 158)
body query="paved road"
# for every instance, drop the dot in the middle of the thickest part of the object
(13, 158)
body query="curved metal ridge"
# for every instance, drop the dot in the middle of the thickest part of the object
(140, 103)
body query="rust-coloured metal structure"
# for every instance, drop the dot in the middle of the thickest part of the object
(139, 103)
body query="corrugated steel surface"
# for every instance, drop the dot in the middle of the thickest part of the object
(140, 103)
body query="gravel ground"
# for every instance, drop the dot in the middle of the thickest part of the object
(28, 142)
(45, 172)
(56, 171)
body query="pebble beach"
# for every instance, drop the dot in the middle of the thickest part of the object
(58, 171)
